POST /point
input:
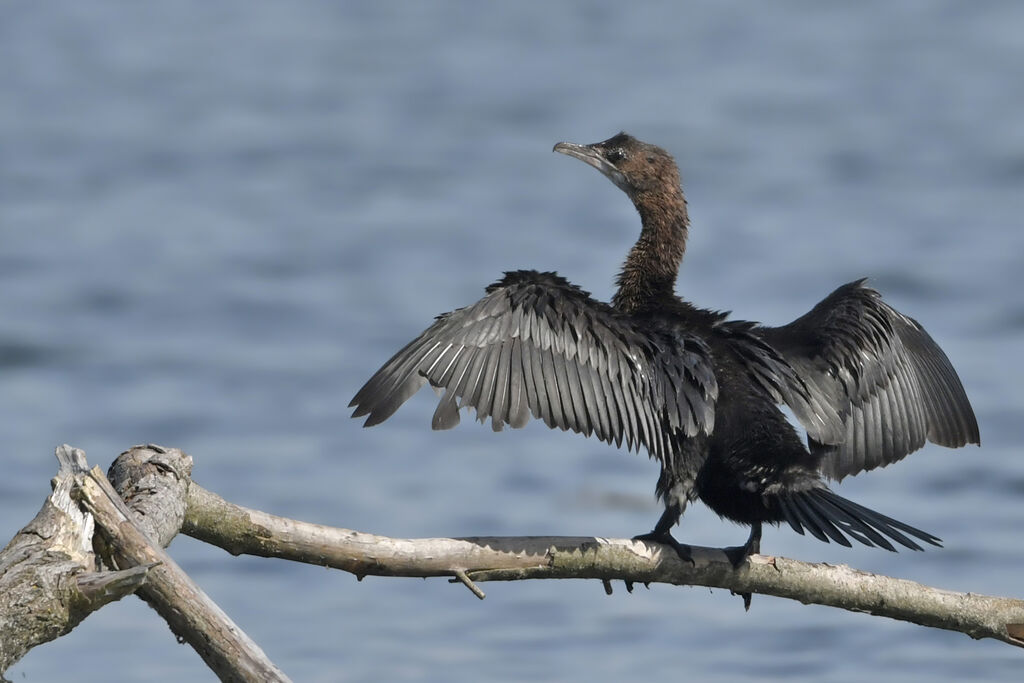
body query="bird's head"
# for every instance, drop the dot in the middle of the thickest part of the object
(634, 166)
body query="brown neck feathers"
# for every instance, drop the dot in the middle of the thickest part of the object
(649, 274)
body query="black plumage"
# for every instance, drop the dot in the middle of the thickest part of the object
(700, 393)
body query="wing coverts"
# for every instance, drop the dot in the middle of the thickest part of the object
(539, 346)
(890, 384)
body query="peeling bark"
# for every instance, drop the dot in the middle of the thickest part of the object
(49, 578)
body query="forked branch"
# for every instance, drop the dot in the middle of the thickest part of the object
(51, 576)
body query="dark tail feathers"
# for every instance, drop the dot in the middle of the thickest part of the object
(828, 516)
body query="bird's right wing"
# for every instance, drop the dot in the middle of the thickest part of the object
(538, 345)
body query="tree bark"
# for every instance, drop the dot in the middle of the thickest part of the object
(472, 560)
(48, 582)
(155, 481)
(51, 576)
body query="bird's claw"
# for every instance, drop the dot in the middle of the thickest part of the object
(683, 551)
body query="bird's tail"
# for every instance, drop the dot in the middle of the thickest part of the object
(829, 516)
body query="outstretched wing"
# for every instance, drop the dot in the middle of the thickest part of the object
(538, 345)
(889, 382)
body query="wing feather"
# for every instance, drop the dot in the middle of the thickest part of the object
(890, 385)
(536, 345)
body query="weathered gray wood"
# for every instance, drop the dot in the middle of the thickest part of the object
(49, 580)
(157, 498)
(153, 482)
(241, 530)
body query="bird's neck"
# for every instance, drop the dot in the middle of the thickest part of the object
(649, 274)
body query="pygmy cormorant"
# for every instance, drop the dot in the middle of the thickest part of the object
(700, 392)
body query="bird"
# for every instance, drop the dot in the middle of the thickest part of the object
(703, 394)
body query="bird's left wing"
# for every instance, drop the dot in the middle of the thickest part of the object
(538, 345)
(881, 372)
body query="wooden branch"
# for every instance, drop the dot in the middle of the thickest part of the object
(472, 560)
(50, 576)
(49, 580)
(156, 491)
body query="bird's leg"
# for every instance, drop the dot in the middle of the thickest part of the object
(752, 547)
(753, 544)
(660, 534)
(739, 555)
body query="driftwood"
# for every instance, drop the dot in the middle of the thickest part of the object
(49, 576)
(92, 544)
(156, 494)
(240, 530)
(126, 538)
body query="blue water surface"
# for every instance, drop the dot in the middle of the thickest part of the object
(218, 219)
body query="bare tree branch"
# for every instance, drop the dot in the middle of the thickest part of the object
(161, 478)
(241, 530)
(50, 578)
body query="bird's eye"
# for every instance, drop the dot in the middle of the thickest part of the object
(615, 155)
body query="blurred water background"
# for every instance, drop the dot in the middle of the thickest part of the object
(217, 219)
